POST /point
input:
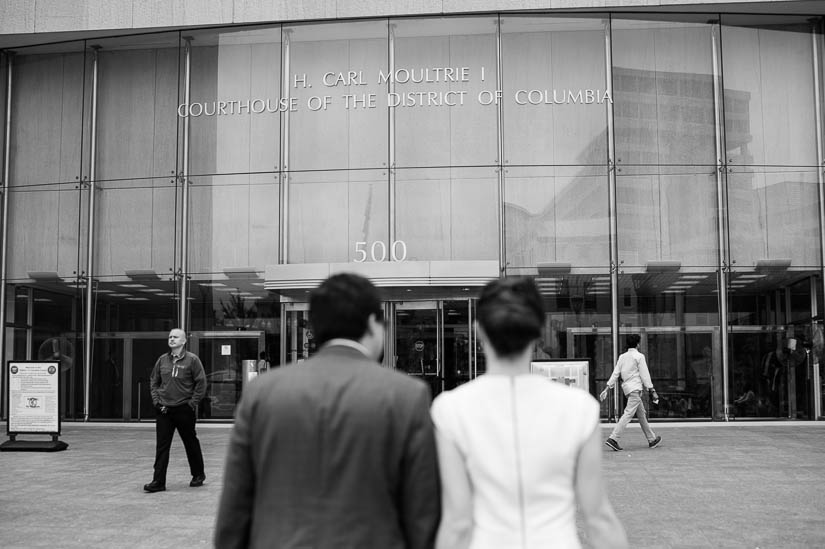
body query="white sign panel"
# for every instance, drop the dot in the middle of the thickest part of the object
(574, 373)
(226, 350)
(33, 397)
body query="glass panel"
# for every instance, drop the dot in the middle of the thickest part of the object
(141, 303)
(47, 121)
(663, 92)
(145, 352)
(775, 217)
(3, 76)
(331, 212)
(769, 92)
(44, 231)
(447, 214)
(676, 313)
(597, 346)
(236, 302)
(20, 296)
(445, 115)
(339, 117)
(774, 343)
(556, 215)
(56, 323)
(456, 344)
(18, 350)
(416, 344)
(554, 90)
(682, 370)
(47, 134)
(234, 222)
(223, 358)
(106, 401)
(577, 321)
(667, 215)
(235, 101)
(137, 106)
(136, 226)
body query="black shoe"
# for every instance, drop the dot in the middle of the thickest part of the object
(613, 444)
(655, 442)
(197, 480)
(154, 486)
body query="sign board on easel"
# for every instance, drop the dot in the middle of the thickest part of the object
(34, 405)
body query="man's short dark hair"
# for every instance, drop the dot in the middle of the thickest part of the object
(341, 305)
(632, 340)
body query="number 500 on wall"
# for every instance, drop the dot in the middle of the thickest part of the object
(377, 251)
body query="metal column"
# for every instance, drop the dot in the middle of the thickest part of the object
(89, 290)
(502, 251)
(284, 154)
(816, 45)
(184, 248)
(721, 206)
(5, 229)
(391, 138)
(611, 189)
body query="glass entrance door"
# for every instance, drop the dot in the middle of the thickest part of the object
(417, 349)
(433, 341)
(297, 342)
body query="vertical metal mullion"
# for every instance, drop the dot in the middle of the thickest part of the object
(816, 44)
(90, 215)
(612, 202)
(184, 248)
(284, 154)
(5, 230)
(391, 136)
(815, 377)
(723, 264)
(502, 251)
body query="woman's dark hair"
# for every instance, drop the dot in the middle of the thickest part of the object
(632, 340)
(341, 305)
(511, 314)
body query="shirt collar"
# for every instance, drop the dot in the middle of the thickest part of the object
(174, 356)
(343, 342)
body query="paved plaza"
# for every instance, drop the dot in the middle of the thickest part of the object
(738, 485)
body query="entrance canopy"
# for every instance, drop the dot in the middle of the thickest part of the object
(285, 279)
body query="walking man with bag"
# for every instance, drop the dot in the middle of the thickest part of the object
(632, 367)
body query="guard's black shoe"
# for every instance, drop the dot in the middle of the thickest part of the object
(197, 480)
(613, 445)
(154, 486)
(655, 442)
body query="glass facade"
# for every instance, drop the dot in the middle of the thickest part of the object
(655, 174)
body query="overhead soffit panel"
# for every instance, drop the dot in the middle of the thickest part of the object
(27, 21)
(385, 274)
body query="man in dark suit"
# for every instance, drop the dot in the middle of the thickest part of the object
(336, 452)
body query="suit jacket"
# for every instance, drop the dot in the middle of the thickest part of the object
(335, 453)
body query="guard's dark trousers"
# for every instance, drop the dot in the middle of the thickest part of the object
(181, 418)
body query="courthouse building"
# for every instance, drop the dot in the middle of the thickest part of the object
(656, 166)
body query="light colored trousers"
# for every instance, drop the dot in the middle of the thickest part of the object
(634, 407)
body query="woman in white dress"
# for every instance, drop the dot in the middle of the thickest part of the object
(519, 453)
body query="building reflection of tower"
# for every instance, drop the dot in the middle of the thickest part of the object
(665, 142)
